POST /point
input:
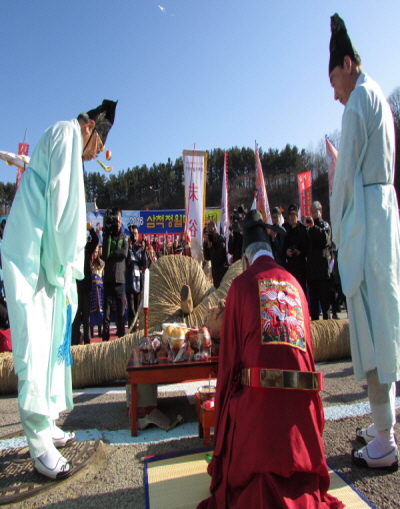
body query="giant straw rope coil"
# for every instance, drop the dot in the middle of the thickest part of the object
(102, 363)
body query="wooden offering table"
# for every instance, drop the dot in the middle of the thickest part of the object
(164, 372)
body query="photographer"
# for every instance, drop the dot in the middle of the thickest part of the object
(235, 241)
(115, 250)
(214, 249)
(296, 247)
(318, 277)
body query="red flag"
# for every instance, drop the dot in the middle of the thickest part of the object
(304, 183)
(261, 191)
(331, 157)
(23, 149)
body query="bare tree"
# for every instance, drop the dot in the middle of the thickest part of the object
(394, 103)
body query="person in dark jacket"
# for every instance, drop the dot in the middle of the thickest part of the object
(135, 262)
(296, 247)
(115, 250)
(318, 277)
(214, 249)
(84, 288)
(278, 239)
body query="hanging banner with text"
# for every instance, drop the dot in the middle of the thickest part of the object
(195, 172)
(305, 196)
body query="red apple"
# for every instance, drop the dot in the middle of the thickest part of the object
(108, 154)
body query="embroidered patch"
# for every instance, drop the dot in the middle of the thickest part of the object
(282, 319)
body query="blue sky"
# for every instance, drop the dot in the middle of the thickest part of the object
(209, 73)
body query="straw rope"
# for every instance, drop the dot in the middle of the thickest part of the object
(101, 363)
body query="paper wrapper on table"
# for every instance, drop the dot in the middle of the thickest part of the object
(149, 346)
(200, 343)
(177, 350)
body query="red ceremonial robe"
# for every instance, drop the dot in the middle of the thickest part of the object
(268, 442)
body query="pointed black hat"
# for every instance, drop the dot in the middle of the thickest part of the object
(340, 44)
(104, 116)
(254, 229)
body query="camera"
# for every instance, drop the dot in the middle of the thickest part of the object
(210, 237)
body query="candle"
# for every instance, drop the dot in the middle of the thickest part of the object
(146, 288)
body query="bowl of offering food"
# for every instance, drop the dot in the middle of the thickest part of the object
(206, 392)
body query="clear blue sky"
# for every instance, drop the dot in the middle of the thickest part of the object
(214, 73)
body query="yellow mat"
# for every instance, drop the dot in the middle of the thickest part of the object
(180, 481)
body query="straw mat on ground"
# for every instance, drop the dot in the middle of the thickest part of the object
(180, 481)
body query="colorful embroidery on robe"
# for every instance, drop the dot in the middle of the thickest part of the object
(282, 319)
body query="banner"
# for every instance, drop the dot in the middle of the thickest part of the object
(305, 196)
(195, 172)
(23, 149)
(261, 192)
(331, 157)
(225, 219)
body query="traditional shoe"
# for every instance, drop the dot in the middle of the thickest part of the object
(62, 470)
(363, 437)
(68, 439)
(388, 462)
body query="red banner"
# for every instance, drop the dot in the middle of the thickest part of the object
(23, 149)
(305, 196)
(261, 191)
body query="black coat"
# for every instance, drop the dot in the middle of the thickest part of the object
(85, 284)
(318, 252)
(217, 254)
(296, 238)
(115, 250)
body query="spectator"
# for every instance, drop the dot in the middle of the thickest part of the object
(84, 288)
(187, 250)
(136, 261)
(296, 247)
(214, 249)
(235, 240)
(97, 292)
(268, 448)
(155, 245)
(115, 250)
(278, 238)
(318, 277)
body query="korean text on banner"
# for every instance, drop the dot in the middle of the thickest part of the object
(331, 157)
(261, 191)
(195, 171)
(225, 203)
(305, 197)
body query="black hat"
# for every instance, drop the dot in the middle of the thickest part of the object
(104, 117)
(254, 229)
(293, 208)
(340, 45)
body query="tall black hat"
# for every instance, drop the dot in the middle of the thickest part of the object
(340, 44)
(254, 229)
(104, 116)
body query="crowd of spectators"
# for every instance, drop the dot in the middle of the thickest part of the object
(305, 250)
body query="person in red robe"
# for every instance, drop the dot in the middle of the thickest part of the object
(268, 449)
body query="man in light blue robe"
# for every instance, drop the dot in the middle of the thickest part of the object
(365, 225)
(43, 255)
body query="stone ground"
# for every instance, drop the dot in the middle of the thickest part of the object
(114, 476)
